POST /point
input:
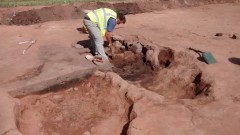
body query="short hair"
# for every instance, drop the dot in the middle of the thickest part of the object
(121, 16)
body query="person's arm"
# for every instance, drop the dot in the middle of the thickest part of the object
(108, 36)
(110, 28)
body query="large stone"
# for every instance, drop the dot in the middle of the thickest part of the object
(117, 44)
(136, 48)
(129, 56)
(116, 47)
(152, 58)
(118, 38)
(130, 43)
(149, 55)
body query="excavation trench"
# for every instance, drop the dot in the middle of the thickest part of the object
(159, 69)
(95, 105)
(98, 106)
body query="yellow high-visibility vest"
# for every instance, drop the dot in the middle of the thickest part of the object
(101, 17)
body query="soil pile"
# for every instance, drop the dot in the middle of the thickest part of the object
(59, 12)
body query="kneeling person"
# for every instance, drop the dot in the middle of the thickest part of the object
(99, 23)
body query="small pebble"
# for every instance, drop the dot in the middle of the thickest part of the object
(57, 98)
(87, 133)
(75, 88)
(70, 89)
(89, 85)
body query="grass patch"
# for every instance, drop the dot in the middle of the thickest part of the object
(16, 3)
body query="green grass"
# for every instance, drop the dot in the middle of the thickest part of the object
(16, 3)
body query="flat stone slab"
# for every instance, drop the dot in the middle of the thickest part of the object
(51, 70)
(49, 83)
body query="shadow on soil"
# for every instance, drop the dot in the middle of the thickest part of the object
(87, 44)
(202, 60)
(81, 30)
(126, 126)
(234, 60)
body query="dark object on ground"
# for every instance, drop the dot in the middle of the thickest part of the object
(234, 36)
(234, 60)
(218, 34)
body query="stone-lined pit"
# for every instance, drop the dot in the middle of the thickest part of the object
(159, 69)
(89, 106)
(133, 59)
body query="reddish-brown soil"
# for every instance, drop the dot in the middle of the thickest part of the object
(175, 74)
(73, 111)
(79, 108)
(132, 63)
(58, 12)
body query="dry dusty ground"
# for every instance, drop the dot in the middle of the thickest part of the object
(107, 104)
